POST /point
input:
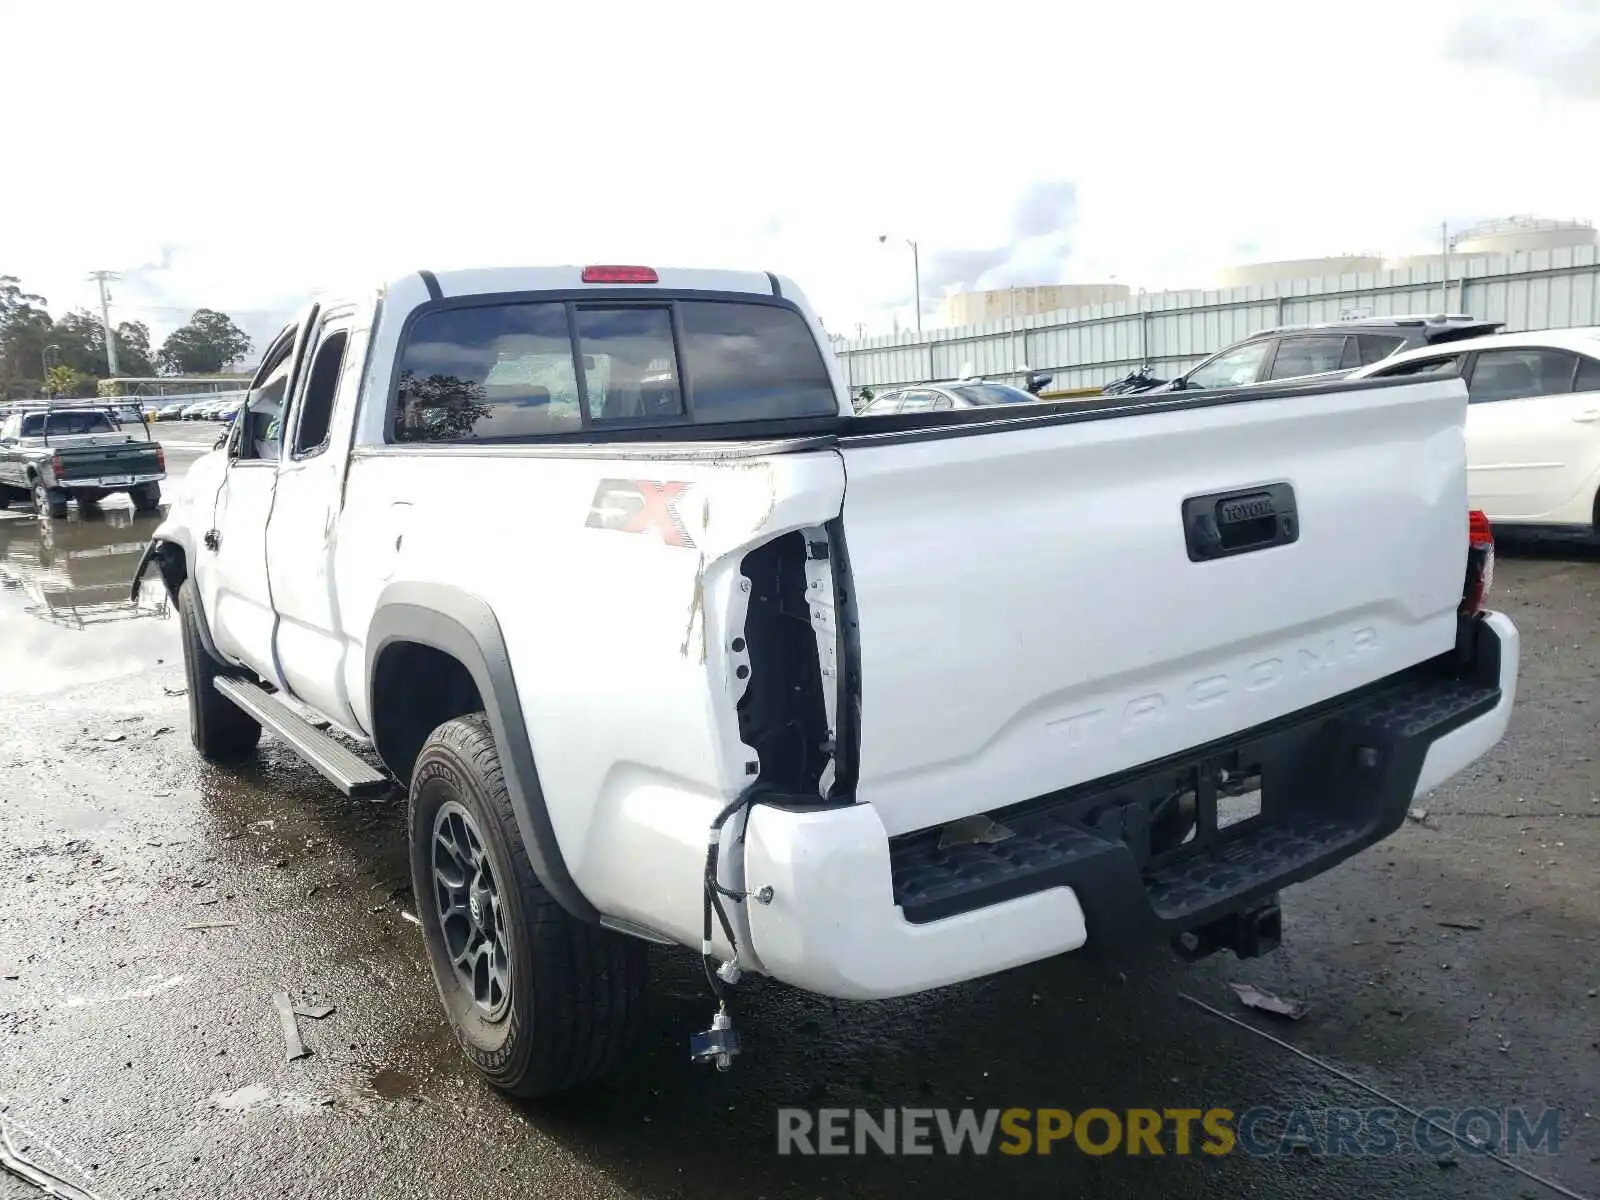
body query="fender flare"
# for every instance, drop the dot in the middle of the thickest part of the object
(152, 553)
(462, 625)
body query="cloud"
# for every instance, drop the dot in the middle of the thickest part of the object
(1045, 208)
(1036, 247)
(1559, 49)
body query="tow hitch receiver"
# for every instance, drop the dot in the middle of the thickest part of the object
(1249, 934)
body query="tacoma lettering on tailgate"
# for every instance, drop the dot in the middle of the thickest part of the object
(1149, 708)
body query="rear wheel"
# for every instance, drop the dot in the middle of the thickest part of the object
(220, 730)
(540, 1001)
(48, 502)
(146, 497)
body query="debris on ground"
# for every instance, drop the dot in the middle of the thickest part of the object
(410, 916)
(1472, 924)
(1419, 815)
(183, 691)
(978, 830)
(213, 925)
(113, 737)
(315, 1013)
(293, 1047)
(1253, 997)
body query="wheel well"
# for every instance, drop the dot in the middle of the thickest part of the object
(416, 689)
(1596, 513)
(173, 564)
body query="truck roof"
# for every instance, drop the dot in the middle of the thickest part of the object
(488, 280)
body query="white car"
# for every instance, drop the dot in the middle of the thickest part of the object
(1533, 422)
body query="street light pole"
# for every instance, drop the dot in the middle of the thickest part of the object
(916, 274)
(45, 355)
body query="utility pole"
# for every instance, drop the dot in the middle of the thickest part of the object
(102, 278)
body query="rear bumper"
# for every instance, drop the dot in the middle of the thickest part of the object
(111, 481)
(856, 914)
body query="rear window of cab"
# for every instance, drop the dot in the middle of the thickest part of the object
(529, 369)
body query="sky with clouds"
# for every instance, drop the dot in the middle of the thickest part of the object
(243, 155)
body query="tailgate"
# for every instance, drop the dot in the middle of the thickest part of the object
(1031, 616)
(95, 462)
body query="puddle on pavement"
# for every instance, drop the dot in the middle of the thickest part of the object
(255, 1097)
(65, 616)
(389, 1084)
(385, 1084)
(144, 993)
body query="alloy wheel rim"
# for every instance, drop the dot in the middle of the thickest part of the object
(467, 898)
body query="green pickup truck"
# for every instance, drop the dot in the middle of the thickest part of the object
(49, 456)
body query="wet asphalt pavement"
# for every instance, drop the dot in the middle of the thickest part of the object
(142, 1055)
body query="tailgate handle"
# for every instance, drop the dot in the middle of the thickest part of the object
(1226, 523)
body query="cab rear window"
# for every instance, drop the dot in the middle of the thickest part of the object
(540, 368)
(66, 423)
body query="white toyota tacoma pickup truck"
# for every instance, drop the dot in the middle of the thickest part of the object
(668, 646)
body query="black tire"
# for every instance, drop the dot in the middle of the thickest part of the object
(48, 502)
(220, 730)
(146, 497)
(573, 1000)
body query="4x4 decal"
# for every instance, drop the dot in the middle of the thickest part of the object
(640, 506)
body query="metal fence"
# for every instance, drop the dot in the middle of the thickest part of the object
(1088, 347)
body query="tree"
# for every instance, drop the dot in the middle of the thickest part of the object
(439, 408)
(24, 330)
(133, 349)
(63, 381)
(82, 340)
(206, 345)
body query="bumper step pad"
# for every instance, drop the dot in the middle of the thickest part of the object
(1333, 780)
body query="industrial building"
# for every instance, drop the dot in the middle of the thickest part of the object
(1003, 304)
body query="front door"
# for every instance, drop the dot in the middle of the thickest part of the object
(311, 644)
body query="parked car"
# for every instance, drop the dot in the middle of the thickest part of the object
(946, 397)
(1533, 423)
(166, 412)
(866, 713)
(51, 455)
(126, 412)
(1328, 350)
(195, 411)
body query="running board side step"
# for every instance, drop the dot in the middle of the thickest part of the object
(341, 766)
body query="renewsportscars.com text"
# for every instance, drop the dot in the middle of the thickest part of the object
(1258, 1132)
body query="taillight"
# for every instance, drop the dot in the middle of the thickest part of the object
(619, 275)
(161, 459)
(1480, 564)
(55, 465)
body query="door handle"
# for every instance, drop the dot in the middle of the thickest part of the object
(1588, 414)
(213, 539)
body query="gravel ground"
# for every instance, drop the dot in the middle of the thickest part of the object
(1454, 965)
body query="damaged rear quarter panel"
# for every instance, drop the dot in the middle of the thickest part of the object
(619, 627)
